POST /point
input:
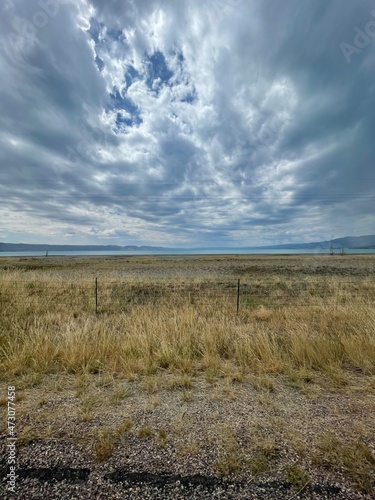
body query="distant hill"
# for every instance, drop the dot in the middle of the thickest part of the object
(26, 247)
(356, 241)
(360, 242)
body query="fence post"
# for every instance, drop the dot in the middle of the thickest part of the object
(96, 295)
(238, 295)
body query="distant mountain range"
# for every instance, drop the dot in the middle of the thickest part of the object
(360, 242)
(28, 247)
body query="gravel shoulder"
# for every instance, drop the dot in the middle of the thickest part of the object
(222, 439)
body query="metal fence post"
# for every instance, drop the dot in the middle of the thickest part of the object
(96, 295)
(238, 295)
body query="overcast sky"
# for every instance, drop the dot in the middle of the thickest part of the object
(186, 122)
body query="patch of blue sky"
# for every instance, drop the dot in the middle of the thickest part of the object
(181, 78)
(100, 63)
(95, 29)
(99, 33)
(115, 34)
(125, 120)
(180, 56)
(158, 72)
(131, 75)
(128, 113)
(190, 98)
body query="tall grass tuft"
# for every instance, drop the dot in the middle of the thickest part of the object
(146, 326)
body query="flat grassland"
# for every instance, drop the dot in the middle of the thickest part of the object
(160, 389)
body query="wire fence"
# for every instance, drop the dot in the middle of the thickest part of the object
(115, 296)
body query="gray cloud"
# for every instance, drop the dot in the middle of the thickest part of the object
(185, 123)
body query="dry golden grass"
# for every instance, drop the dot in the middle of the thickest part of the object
(48, 324)
(104, 445)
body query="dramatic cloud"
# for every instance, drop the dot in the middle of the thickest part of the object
(190, 123)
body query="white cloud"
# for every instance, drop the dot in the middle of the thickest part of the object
(184, 122)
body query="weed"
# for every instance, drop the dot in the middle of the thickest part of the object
(150, 384)
(371, 385)
(105, 381)
(154, 401)
(231, 459)
(338, 377)
(27, 435)
(162, 437)
(179, 424)
(125, 426)
(259, 464)
(103, 446)
(354, 457)
(95, 366)
(263, 383)
(180, 382)
(30, 380)
(229, 463)
(187, 396)
(145, 432)
(87, 404)
(121, 392)
(269, 448)
(211, 375)
(296, 476)
(262, 314)
(188, 449)
(82, 384)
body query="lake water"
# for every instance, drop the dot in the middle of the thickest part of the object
(219, 251)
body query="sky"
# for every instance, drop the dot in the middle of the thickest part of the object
(186, 123)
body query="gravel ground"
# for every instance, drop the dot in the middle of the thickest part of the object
(105, 482)
(60, 462)
(122, 484)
